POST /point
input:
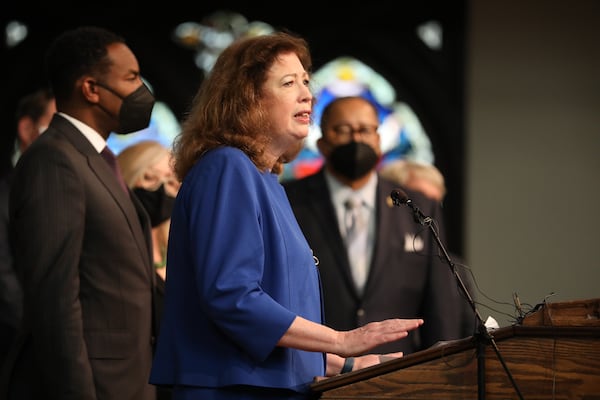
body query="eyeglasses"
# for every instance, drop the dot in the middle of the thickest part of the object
(346, 131)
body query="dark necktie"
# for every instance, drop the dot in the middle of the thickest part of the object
(110, 158)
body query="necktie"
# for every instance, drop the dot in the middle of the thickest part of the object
(356, 239)
(110, 158)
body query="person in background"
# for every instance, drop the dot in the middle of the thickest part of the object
(243, 316)
(147, 171)
(418, 176)
(146, 168)
(429, 180)
(34, 112)
(80, 240)
(396, 273)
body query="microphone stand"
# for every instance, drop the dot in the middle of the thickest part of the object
(483, 336)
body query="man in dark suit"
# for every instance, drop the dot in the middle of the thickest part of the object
(81, 242)
(402, 275)
(34, 112)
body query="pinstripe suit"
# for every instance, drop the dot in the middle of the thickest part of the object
(82, 251)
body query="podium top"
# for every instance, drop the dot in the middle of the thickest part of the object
(568, 313)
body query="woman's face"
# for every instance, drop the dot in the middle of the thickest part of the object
(289, 102)
(160, 173)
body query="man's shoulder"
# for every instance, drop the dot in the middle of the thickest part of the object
(302, 185)
(293, 182)
(305, 190)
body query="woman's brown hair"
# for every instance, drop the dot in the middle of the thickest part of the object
(228, 108)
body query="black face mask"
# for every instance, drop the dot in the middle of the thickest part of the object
(353, 160)
(158, 204)
(136, 109)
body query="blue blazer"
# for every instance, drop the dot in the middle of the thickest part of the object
(239, 272)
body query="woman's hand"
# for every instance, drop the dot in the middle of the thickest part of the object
(336, 363)
(360, 340)
(369, 360)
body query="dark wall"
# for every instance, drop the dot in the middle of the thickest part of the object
(380, 34)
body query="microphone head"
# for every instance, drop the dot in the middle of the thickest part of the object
(399, 196)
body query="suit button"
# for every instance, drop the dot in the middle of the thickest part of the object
(360, 312)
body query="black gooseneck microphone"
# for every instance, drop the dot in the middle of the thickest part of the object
(399, 198)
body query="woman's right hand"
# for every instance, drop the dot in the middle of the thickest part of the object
(360, 340)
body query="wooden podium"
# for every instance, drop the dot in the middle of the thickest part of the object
(554, 354)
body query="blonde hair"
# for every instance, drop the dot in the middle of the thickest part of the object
(135, 160)
(404, 171)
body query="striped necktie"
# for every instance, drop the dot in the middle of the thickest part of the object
(356, 225)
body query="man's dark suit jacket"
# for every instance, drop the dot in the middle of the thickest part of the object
(11, 300)
(402, 283)
(82, 251)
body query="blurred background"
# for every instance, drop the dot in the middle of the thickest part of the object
(502, 96)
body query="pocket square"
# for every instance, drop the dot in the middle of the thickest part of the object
(412, 243)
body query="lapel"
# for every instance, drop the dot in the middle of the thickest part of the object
(389, 225)
(132, 211)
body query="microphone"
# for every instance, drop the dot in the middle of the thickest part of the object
(400, 197)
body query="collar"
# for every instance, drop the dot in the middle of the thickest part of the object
(340, 192)
(94, 137)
